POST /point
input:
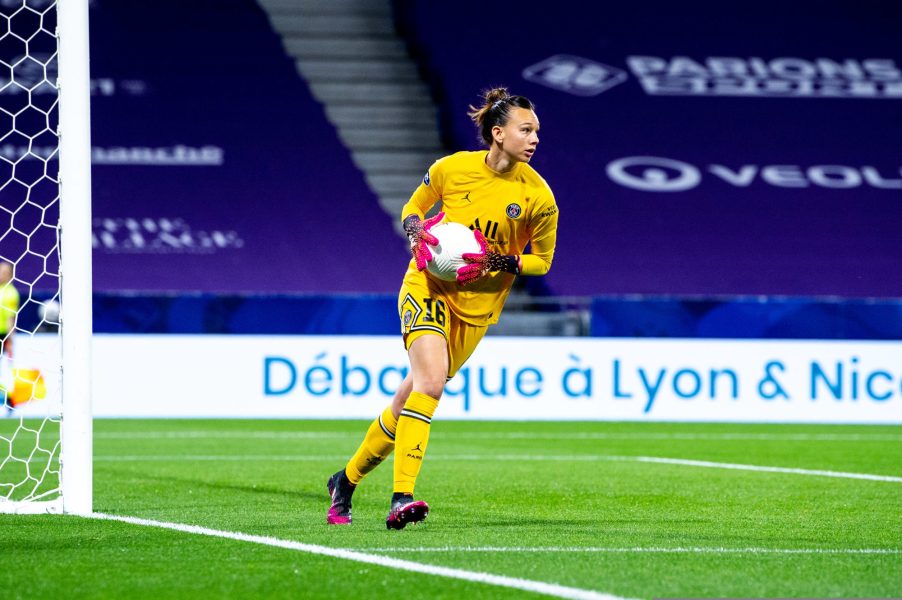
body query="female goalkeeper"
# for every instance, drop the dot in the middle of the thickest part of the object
(507, 205)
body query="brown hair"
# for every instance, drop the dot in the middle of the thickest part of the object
(495, 110)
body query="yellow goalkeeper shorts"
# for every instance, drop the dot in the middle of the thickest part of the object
(424, 311)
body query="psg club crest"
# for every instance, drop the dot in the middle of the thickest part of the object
(513, 210)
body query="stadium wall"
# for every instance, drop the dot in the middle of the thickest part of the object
(610, 316)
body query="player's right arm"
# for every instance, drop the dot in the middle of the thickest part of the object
(423, 199)
(427, 193)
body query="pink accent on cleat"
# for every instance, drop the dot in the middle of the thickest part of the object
(402, 514)
(340, 511)
(333, 518)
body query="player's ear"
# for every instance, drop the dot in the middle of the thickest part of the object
(498, 133)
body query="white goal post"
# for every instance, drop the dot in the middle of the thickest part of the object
(56, 475)
(76, 326)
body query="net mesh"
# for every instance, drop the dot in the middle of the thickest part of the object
(29, 253)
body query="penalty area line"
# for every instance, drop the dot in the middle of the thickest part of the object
(763, 469)
(504, 458)
(636, 550)
(511, 435)
(539, 587)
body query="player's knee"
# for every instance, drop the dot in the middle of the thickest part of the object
(432, 385)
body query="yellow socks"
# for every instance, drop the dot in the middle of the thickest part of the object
(410, 433)
(376, 446)
(411, 438)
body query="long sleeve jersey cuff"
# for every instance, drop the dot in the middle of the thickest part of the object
(533, 265)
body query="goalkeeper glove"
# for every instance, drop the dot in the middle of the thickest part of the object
(482, 262)
(418, 234)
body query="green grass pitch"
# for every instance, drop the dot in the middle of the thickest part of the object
(560, 503)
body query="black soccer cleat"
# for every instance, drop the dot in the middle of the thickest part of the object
(341, 491)
(404, 510)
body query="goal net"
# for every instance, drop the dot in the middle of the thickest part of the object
(36, 470)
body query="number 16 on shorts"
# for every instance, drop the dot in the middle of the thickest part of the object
(425, 313)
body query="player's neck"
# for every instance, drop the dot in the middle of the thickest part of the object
(499, 162)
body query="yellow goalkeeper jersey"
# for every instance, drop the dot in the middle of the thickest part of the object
(511, 210)
(9, 307)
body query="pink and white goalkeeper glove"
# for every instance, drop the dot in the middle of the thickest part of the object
(485, 261)
(420, 239)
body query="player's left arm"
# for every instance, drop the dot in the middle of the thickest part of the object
(479, 264)
(542, 239)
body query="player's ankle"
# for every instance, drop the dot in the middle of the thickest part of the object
(399, 497)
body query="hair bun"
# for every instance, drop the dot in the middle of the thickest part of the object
(496, 109)
(495, 95)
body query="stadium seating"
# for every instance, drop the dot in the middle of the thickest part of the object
(214, 169)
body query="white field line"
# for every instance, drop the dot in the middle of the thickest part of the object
(220, 458)
(508, 435)
(637, 550)
(539, 587)
(502, 458)
(740, 467)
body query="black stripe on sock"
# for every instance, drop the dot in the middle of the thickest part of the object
(385, 429)
(415, 415)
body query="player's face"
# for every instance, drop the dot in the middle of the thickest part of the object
(520, 135)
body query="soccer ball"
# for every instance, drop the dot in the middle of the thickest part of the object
(454, 239)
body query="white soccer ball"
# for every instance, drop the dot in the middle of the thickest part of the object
(454, 239)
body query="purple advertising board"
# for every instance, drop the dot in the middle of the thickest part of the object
(695, 149)
(700, 148)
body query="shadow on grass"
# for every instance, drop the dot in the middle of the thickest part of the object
(178, 486)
